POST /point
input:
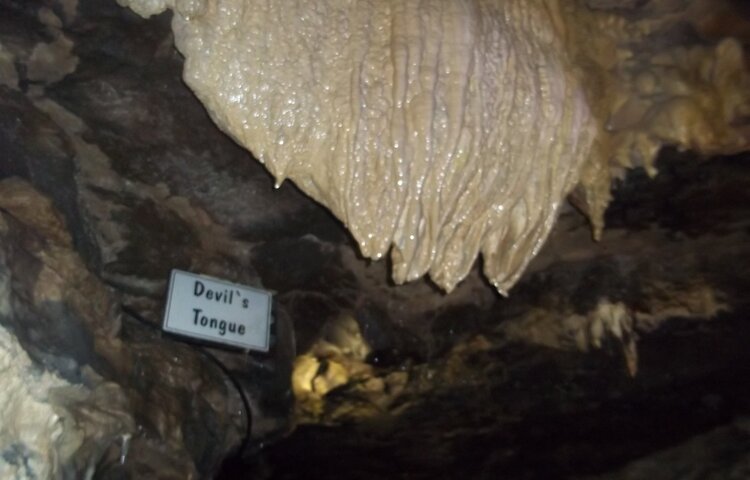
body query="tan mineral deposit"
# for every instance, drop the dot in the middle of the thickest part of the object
(436, 131)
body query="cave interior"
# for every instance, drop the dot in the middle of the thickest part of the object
(626, 357)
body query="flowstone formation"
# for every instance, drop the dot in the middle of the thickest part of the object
(437, 131)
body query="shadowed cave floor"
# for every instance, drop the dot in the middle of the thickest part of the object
(545, 413)
(553, 415)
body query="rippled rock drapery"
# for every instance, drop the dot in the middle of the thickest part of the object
(438, 131)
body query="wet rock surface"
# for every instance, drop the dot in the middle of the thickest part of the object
(610, 360)
(121, 402)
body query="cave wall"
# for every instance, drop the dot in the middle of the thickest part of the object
(113, 174)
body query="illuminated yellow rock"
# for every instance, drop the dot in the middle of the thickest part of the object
(439, 130)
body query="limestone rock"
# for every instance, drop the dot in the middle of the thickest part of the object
(83, 400)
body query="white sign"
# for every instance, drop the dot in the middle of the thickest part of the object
(211, 309)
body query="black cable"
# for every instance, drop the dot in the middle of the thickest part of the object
(245, 403)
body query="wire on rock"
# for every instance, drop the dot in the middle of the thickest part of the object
(245, 402)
